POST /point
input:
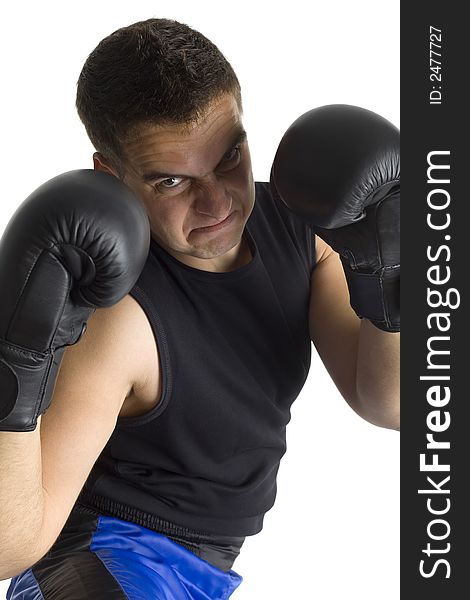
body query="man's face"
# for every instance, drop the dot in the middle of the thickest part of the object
(196, 184)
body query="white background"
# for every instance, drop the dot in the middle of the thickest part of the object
(334, 530)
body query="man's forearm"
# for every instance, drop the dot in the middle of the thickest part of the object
(378, 376)
(21, 500)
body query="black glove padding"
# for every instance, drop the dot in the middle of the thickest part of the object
(338, 167)
(78, 242)
(370, 253)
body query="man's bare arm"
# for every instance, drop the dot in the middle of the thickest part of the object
(378, 376)
(96, 375)
(21, 500)
(362, 360)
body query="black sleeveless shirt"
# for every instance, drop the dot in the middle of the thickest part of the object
(234, 353)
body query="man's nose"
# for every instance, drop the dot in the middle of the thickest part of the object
(213, 200)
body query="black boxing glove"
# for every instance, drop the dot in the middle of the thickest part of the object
(77, 243)
(338, 167)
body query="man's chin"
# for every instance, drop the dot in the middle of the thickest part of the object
(216, 249)
(215, 244)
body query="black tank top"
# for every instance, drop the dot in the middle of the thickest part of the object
(234, 354)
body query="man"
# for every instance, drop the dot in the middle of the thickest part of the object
(167, 423)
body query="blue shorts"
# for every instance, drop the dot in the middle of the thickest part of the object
(104, 557)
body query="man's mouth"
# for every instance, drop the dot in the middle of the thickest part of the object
(217, 226)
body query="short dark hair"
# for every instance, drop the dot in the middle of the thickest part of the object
(156, 71)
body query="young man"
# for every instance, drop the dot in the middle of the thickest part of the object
(160, 448)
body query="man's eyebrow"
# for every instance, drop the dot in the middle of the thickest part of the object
(153, 175)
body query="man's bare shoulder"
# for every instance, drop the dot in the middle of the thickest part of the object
(124, 330)
(146, 387)
(322, 249)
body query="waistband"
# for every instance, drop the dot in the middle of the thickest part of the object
(219, 551)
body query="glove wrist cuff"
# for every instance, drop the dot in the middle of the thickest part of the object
(376, 296)
(26, 385)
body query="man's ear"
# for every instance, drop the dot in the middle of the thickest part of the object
(101, 164)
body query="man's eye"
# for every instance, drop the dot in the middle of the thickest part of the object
(170, 182)
(232, 155)
(230, 161)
